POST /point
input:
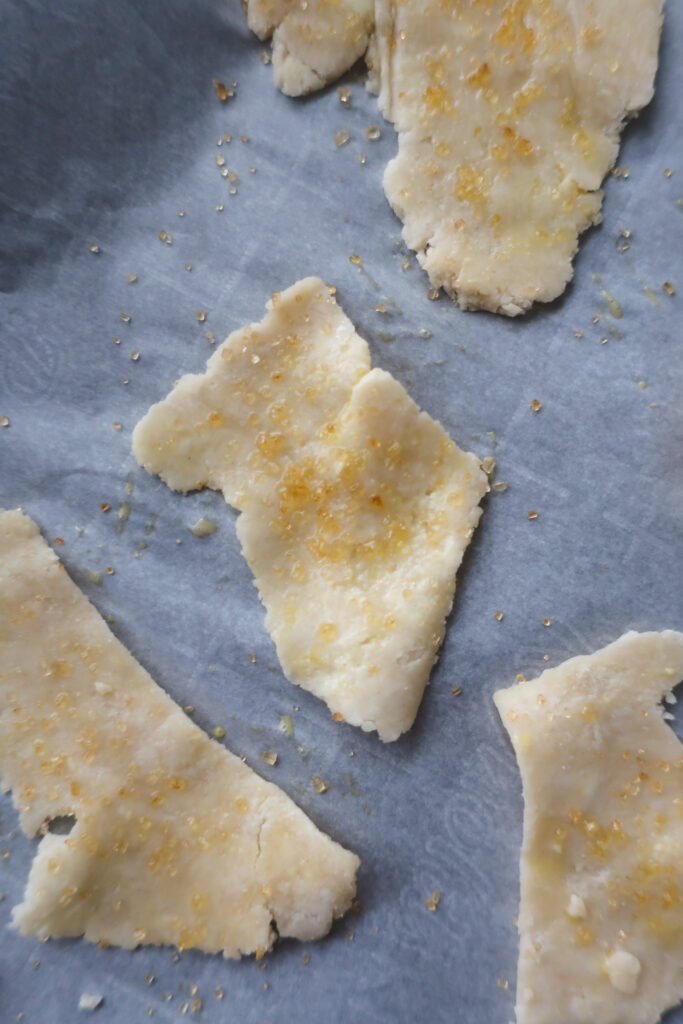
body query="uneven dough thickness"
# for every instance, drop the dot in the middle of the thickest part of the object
(176, 841)
(508, 114)
(356, 507)
(313, 42)
(601, 911)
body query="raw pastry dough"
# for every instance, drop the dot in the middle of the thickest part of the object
(176, 841)
(601, 911)
(508, 114)
(314, 41)
(356, 507)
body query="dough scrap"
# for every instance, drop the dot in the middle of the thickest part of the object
(313, 42)
(601, 910)
(176, 841)
(508, 114)
(356, 508)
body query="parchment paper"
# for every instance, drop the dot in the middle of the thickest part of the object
(109, 128)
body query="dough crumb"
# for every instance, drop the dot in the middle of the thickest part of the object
(576, 907)
(623, 970)
(88, 1001)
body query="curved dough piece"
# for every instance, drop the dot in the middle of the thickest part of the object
(313, 42)
(601, 911)
(176, 841)
(356, 507)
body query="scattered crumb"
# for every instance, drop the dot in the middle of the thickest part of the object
(89, 1001)
(433, 901)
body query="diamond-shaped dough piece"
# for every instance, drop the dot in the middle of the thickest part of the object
(176, 841)
(356, 507)
(601, 910)
(508, 114)
(313, 42)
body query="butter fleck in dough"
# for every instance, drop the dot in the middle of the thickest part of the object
(601, 910)
(176, 841)
(356, 508)
(313, 43)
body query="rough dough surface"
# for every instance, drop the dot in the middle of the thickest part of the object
(313, 42)
(601, 911)
(508, 114)
(176, 841)
(356, 507)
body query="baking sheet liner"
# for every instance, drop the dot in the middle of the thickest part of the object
(110, 128)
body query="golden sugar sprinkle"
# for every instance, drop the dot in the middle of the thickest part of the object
(432, 902)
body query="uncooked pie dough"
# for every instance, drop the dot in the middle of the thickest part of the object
(601, 911)
(508, 114)
(314, 41)
(176, 841)
(356, 508)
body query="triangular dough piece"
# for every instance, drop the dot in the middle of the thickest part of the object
(601, 911)
(508, 114)
(356, 507)
(313, 42)
(176, 841)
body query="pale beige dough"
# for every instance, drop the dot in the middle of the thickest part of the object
(176, 841)
(601, 910)
(314, 41)
(508, 114)
(356, 507)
